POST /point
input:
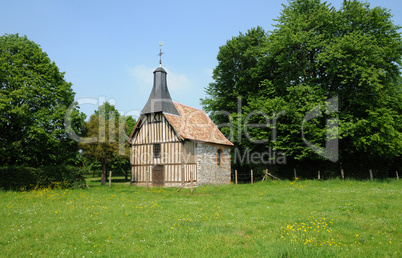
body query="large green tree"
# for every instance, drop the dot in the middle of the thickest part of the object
(106, 139)
(34, 98)
(320, 67)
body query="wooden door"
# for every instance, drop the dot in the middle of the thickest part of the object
(157, 175)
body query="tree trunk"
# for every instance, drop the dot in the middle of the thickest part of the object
(103, 180)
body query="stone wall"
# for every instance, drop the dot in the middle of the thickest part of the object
(208, 170)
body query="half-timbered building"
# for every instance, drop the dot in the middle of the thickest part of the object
(172, 143)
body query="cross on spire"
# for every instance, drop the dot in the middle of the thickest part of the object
(160, 54)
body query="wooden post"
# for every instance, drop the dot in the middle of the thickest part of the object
(371, 175)
(274, 177)
(191, 180)
(397, 176)
(319, 176)
(265, 176)
(342, 174)
(110, 179)
(236, 176)
(251, 176)
(183, 174)
(147, 177)
(183, 184)
(294, 171)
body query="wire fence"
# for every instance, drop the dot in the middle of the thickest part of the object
(258, 174)
(116, 173)
(253, 175)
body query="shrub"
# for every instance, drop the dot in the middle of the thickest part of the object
(25, 178)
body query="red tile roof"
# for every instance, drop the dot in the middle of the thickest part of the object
(194, 124)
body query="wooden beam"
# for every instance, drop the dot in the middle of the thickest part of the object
(273, 176)
(191, 179)
(183, 184)
(147, 176)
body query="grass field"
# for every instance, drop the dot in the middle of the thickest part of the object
(273, 219)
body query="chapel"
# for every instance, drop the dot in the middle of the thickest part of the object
(172, 143)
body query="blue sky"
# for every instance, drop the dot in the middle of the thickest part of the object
(109, 49)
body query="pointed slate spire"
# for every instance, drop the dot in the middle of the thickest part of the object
(160, 100)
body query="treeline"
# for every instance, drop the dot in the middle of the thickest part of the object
(321, 91)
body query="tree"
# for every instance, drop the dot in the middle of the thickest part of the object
(108, 131)
(34, 98)
(355, 54)
(130, 123)
(316, 54)
(235, 76)
(124, 165)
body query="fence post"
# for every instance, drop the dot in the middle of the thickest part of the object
(294, 171)
(319, 176)
(342, 174)
(251, 176)
(147, 177)
(110, 179)
(265, 176)
(236, 176)
(371, 175)
(397, 176)
(191, 180)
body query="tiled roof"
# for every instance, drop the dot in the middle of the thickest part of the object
(194, 124)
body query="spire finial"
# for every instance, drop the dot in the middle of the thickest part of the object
(160, 54)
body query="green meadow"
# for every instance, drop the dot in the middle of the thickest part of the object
(309, 218)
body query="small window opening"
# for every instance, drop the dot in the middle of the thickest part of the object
(219, 157)
(157, 150)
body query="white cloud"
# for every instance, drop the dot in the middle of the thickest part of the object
(178, 82)
(144, 77)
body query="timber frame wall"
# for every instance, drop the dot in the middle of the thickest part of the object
(178, 157)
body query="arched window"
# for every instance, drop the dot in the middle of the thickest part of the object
(219, 157)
